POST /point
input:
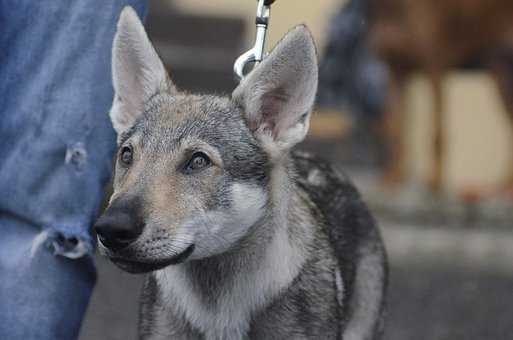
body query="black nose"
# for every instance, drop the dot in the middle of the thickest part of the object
(117, 228)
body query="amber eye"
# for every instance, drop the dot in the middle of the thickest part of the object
(198, 161)
(126, 155)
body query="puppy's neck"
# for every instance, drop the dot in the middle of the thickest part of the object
(234, 284)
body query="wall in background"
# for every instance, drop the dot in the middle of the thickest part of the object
(285, 14)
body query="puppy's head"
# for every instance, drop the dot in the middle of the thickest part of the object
(193, 172)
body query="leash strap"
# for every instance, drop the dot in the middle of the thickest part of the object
(256, 54)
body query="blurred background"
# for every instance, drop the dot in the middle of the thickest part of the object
(415, 103)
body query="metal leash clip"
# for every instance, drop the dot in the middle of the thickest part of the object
(256, 54)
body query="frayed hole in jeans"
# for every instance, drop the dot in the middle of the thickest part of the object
(70, 247)
(76, 155)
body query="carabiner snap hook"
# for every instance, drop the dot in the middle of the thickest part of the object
(256, 54)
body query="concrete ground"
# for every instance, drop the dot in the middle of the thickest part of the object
(444, 285)
(449, 284)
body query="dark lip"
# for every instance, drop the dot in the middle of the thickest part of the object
(138, 267)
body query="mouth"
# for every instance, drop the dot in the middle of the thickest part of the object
(140, 267)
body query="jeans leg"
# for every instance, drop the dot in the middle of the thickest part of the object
(42, 296)
(56, 147)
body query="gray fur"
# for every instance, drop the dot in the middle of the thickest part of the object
(137, 70)
(266, 243)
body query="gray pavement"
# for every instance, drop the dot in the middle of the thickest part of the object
(112, 312)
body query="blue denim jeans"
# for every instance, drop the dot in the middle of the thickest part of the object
(56, 147)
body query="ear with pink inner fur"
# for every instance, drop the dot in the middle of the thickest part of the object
(278, 95)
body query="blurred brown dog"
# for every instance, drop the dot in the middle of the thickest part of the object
(433, 36)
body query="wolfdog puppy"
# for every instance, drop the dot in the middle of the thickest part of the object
(240, 237)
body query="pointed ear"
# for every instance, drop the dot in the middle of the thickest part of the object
(137, 71)
(278, 95)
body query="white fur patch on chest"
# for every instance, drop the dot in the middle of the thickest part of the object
(250, 291)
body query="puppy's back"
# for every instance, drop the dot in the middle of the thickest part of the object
(355, 238)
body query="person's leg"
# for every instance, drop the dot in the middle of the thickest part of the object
(56, 146)
(43, 296)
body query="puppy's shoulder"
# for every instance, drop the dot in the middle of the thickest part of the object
(340, 208)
